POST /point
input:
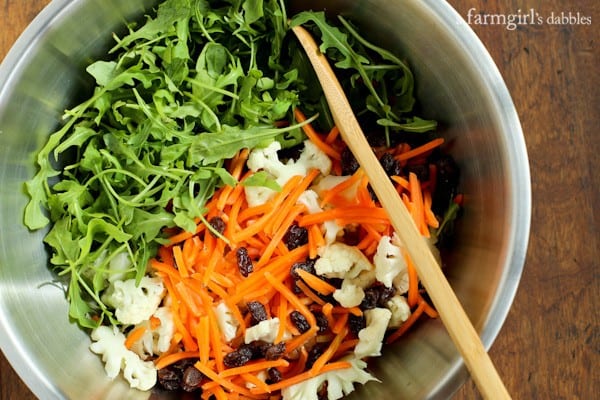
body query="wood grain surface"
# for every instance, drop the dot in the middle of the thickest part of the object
(549, 346)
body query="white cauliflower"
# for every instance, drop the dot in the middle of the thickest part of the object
(349, 295)
(370, 338)
(388, 261)
(119, 266)
(352, 293)
(110, 343)
(339, 382)
(338, 260)
(330, 181)
(265, 330)
(134, 304)
(266, 159)
(227, 322)
(310, 199)
(400, 311)
(156, 341)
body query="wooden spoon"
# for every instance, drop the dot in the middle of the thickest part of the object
(452, 314)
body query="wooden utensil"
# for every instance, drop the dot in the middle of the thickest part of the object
(452, 314)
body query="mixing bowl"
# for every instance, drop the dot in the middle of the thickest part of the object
(457, 84)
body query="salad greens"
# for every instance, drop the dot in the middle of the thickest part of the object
(178, 95)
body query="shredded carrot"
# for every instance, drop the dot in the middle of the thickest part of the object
(202, 271)
(315, 138)
(420, 150)
(327, 354)
(413, 281)
(316, 283)
(173, 358)
(135, 335)
(406, 325)
(307, 375)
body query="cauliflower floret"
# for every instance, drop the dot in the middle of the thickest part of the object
(338, 260)
(388, 261)
(310, 199)
(370, 338)
(156, 341)
(110, 343)
(227, 322)
(400, 282)
(400, 311)
(339, 382)
(265, 330)
(330, 181)
(266, 159)
(349, 295)
(119, 265)
(134, 304)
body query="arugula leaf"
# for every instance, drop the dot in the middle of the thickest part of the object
(210, 147)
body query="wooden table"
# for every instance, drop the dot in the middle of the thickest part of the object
(549, 347)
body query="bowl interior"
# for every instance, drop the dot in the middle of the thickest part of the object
(457, 83)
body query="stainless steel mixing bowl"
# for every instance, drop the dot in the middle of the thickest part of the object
(458, 84)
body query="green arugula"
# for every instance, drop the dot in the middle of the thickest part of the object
(178, 95)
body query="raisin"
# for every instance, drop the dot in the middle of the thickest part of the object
(217, 224)
(385, 294)
(390, 165)
(420, 170)
(275, 351)
(308, 266)
(370, 300)
(314, 354)
(244, 262)
(257, 310)
(191, 379)
(295, 237)
(274, 375)
(299, 321)
(238, 357)
(349, 163)
(322, 393)
(171, 377)
(257, 348)
(322, 322)
(447, 177)
(168, 378)
(356, 323)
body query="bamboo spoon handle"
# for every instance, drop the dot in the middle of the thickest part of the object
(453, 316)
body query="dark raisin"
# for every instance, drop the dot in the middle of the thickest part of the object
(356, 323)
(390, 165)
(322, 393)
(349, 163)
(191, 380)
(238, 357)
(258, 312)
(385, 294)
(314, 354)
(370, 300)
(244, 262)
(275, 351)
(169, 378)
(274, 375)
(217, 224)
(257, 348)
(295, 236)
(299, 321)
(308, 266)
(446, 182)
(420, 170)
(322, 322)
